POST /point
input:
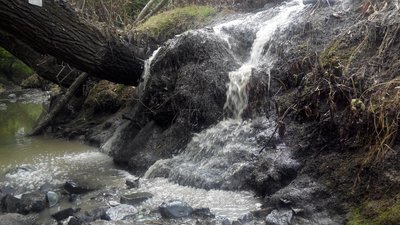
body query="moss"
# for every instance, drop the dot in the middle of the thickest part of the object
(376, 213)
(167, 24)
(33, 81)
(106, 97)
(337, 54)
(12, 70)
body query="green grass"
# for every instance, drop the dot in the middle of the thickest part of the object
(376, 213)
(169, 23)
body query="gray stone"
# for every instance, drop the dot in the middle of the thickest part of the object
(52, 198)
(34, 201)
(11, 204)
(279, 217)
(135, 198)
(175, 209)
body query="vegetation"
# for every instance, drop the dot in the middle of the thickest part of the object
(376, 213)
(106, 97)
(12, 70)
(175, 21)
(112, 12)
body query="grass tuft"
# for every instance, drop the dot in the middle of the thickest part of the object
(169, 23)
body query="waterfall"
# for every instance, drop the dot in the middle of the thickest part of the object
(146, 71)
(237, 96)
(223, 156)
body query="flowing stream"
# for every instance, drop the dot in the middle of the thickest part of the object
(210, 171)
(32, 163)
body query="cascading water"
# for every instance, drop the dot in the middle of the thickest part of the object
(237, 97)
(223, 156)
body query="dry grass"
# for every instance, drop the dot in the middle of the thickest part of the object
(383, 111)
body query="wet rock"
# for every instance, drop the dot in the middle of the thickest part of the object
(175, 209)
(93, 215)
(132, 183)
(203, 212)
(16, 219)
(226, 221)
(135, 198)
(31, 202)
(301, 194)
(11, 204)
(189, 72)
(65, 213)
(52, 198)
(73, 221)
(246, 218)
(34, 201)
(307, 200)
(272, 174)
(121, 211)
(74, 188)
(279, 217)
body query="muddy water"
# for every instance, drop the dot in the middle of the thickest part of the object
(29, 163)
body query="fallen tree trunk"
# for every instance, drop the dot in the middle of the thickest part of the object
(60, 104)
(45, 66)
(55, 29)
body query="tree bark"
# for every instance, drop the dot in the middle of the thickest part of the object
(45, 66)
(59, 105)
(55, 29)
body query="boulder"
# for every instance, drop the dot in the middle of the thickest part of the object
(279, 217)
(183, 93)
(135, 198)
(74, 188)
(174, 209)
(34, 201)
(11, 204)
